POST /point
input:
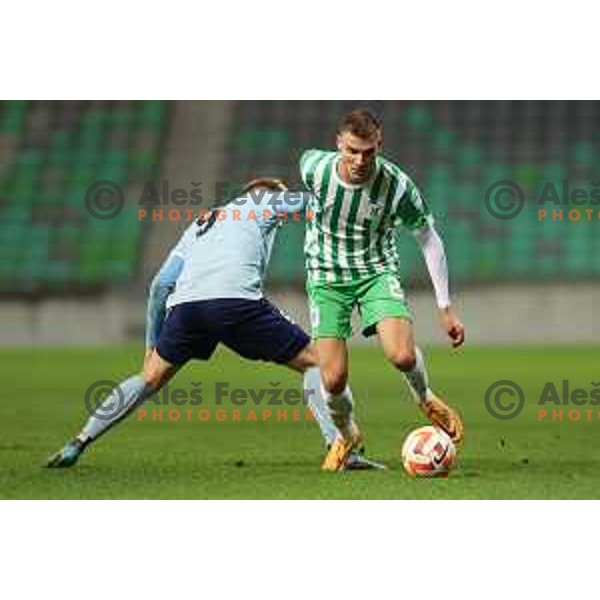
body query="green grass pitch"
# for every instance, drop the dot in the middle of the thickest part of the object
(42, 406)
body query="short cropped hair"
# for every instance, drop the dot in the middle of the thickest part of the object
(361, 123)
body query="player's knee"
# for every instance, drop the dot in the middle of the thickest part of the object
(305, 359)
(157, 371)
(405, 360)
(309, 356)
(152, 378)
(334, 381)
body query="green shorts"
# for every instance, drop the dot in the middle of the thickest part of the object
(377, 297)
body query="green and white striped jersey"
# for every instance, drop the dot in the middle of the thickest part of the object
(352, 232)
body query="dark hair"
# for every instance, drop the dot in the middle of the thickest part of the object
(361, 123)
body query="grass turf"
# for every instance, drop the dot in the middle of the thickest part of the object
(42, 406)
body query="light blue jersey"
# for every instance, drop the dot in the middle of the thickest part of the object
(224, 254)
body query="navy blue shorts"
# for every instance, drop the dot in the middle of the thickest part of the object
(254, 329)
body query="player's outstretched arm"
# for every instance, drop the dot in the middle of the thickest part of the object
(432, 248)
(160, 288)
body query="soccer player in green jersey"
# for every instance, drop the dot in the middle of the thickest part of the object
(360, 200)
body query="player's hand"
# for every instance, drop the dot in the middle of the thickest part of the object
(452, 326)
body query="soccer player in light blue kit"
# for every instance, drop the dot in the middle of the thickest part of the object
(209, 291)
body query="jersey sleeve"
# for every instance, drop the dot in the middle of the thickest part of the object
(160, 288)
(308, 161)
(432, 248)
(413, 210)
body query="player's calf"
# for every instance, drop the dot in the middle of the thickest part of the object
(123, 400)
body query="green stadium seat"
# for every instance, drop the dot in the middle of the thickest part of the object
(143, 159)
(440, 173)
(527, 175)
(121, 118)
(116, 173)
(576, 260)
(30, 159)
(14, 115)
(61, 157)
(418, 118)
(94, 119)
(584, 153)
(89, 156)
(7, 271)
(468, 155)
(118, 269)
(493, 172)
(443, 141)
(115, 157)
(17, 215)
(91, 138)
(151, 113)
(290, 238)
(89, 271)
(554, 171)
(59, 272)
(61, 140)
(82, 176)
(264, 139)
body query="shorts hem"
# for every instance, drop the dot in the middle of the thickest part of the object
(337, 336)
(291, 352)
(371, 329)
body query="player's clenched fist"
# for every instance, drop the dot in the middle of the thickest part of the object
(452, 326)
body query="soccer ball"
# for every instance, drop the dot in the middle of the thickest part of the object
(428, 452)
